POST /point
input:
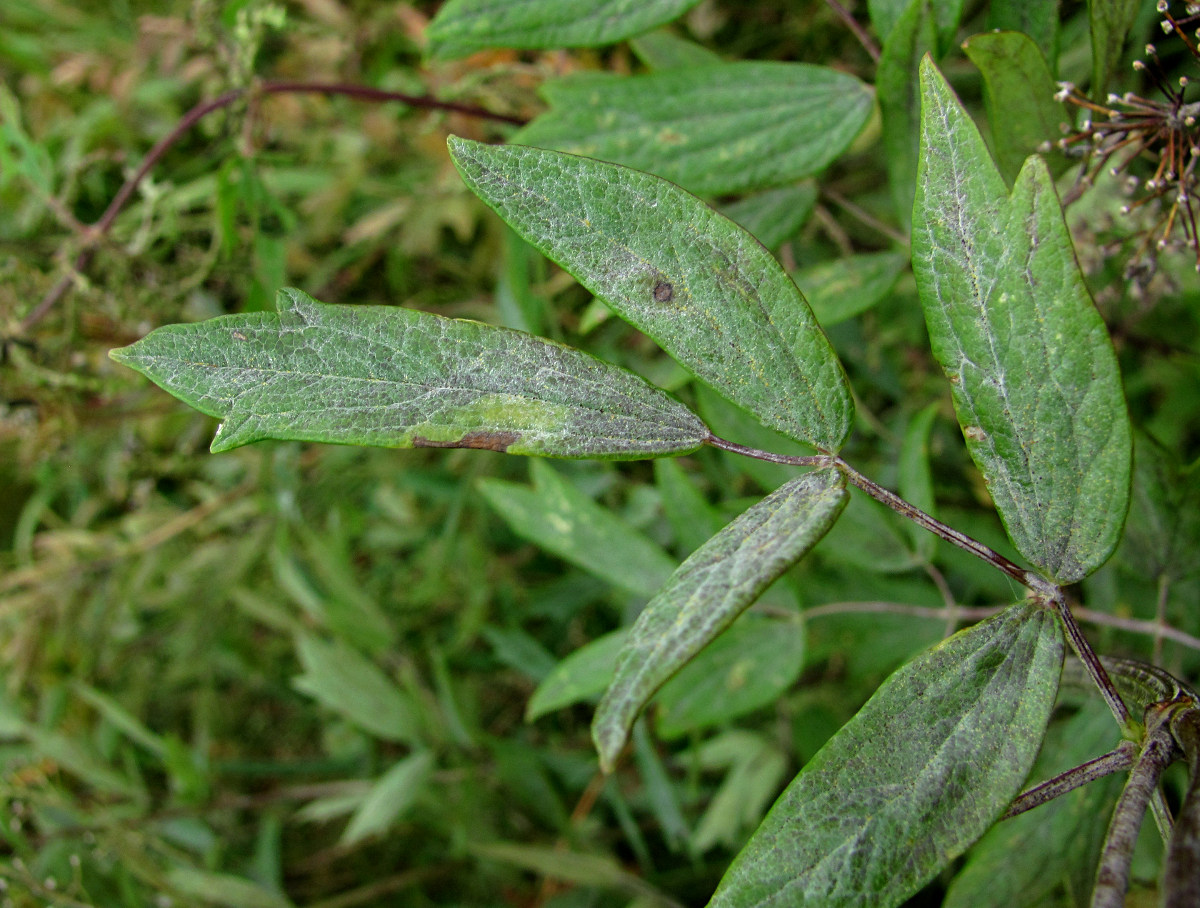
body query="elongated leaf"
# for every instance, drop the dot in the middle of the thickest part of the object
(401, 378)
(1036, 18)
(693, 280)
(843, 288)
(348, 683)
(913, 779)
(1035, 858)
(746, 668)
(391, 795)
(1035, 380)
(1110, 22)
(562, 520)
(462, 27)
(716, 584)
(583, 675)
(662, 49)
(773, 216)
(1019, 91)
(712, 129)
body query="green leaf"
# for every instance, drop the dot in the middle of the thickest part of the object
(693, 520)
(1036, 18)
(1163, 533)
(773, 216)
(583, 675)
(222, 889)
(561, 519)
(916, 477)
(1110, 22)
(1039, 857)
(572, 866)
(462, 27)
(693, 280)
(1019, 92)
(1033, 373)
(914, 35)
(374, 375)
(714, 129)
(344, 680)
(716, 584)
(391, 795)
(843, 288)
(663, 49)
(913, 779)
(746, 668)
(756, 769)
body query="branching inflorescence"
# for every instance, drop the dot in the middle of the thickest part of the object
(1128, 127)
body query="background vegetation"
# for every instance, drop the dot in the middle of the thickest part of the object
(295, 674)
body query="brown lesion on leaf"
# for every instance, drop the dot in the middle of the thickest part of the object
(483, 439)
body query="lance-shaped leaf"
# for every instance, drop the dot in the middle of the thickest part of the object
(715, 585)
(923, 769)
(398, 378)
(717, 128)
(462, 27)
(693, 280)
(1034, 376)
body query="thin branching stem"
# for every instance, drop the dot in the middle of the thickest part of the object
(1121, 757)
(95, 233)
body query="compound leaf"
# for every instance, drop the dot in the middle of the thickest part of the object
(693, 280)
(1034, 377)
(375, 375)
(923, 769)
(462, 27)
(709, 590)
(713, 129)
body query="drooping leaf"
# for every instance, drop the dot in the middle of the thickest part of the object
(391, 795)
(347, 682)
(913, 779)
(746, 668)
(208, 888)
(693, 520)
(1034, 377)
(674, 268)
(1163, 534)
(561, 519)
(374, 375)
(1038, 857)
(756, 768)
(916, 477)
(462, 27)
(716, 584)
(718, 128)
(1019, 92)
(845, 287)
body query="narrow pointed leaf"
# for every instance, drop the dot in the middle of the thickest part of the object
(561, 519)
(398, 378)
(462, 27)
(715, 585)
(1034, 376)
(717, 128)
(693, 280)
(390, 796)
(923, 769)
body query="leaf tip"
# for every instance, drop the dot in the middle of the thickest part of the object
(121, 355)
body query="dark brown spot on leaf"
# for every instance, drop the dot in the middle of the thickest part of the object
(490, 441)
(663, 292)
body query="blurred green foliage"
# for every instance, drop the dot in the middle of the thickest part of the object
(295, 674)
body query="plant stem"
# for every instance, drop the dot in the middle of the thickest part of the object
(1113, 761)
(1044, 590)
(97, 231)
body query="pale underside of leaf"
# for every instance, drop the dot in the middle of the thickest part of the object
(709, 590)
(715, 128)
(401, 378)
(702, 287)
(1035, 380)
(913, 779)
(462, 27)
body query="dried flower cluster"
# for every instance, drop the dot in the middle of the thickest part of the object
(1164, 132)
